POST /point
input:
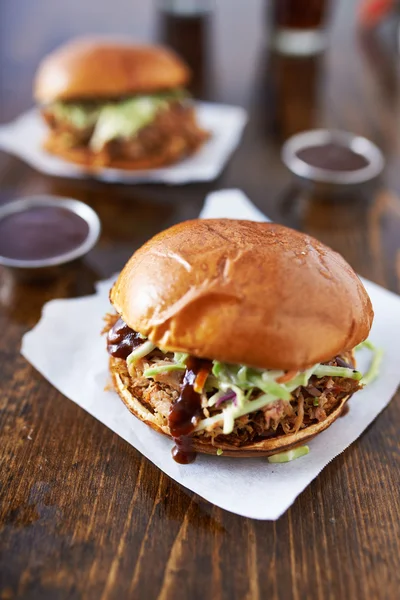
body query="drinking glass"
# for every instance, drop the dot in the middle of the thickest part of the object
(299, 26)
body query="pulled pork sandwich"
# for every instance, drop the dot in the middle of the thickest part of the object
(236, 337)
(117, 104)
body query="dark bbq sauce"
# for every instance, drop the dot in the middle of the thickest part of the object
(345, 410)
(183, 415)
(185, 412)
(333, 157)
(121, 340)
(183, 452)
(41, 232)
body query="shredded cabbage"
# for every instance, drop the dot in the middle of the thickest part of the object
(180, 357)
(234, 385)
(125, 118)
(111, 120)
(377, 357)
(245, 378)
(268, 385)
(236, 412)
(177, 365)
(229, 419)
(78, 114)
(289, 455)
(327, 371)
(151, 371)
(215, 397)
(140, 352)
(365, 344)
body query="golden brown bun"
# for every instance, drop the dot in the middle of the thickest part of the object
(203, 445)
(242, 292)
(100, 68)
(94, 161)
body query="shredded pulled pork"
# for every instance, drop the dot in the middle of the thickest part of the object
(310, 404)
(174, 132)
(109, 321)
(157, 397)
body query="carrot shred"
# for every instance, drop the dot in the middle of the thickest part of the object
(200, 380)
(286, 376)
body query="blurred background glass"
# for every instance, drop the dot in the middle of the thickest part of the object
(290, 87)
(298, 27)
(184, 25)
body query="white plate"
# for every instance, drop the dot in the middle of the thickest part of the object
(23, 138)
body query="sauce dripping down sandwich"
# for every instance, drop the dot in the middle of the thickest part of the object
(186, 412)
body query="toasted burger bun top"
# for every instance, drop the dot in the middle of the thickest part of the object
(257, 294)
(100, 68)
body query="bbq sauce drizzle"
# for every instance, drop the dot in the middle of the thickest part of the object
(122, 340)
(185, 413)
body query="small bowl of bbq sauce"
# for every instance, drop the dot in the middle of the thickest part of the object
(332, 159)
(40, 234)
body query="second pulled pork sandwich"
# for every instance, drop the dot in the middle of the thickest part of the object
(117, 104)
(236, 337)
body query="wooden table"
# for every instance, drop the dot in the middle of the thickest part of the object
(82, 514)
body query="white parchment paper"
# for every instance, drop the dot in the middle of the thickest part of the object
(75, 361)
(23, 138)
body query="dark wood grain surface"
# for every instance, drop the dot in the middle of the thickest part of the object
(82, 514)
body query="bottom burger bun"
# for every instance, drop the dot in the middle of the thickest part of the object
(204, 444)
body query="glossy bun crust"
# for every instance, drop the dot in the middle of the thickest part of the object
(99, 68)
(243, 292)
(204, 445)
